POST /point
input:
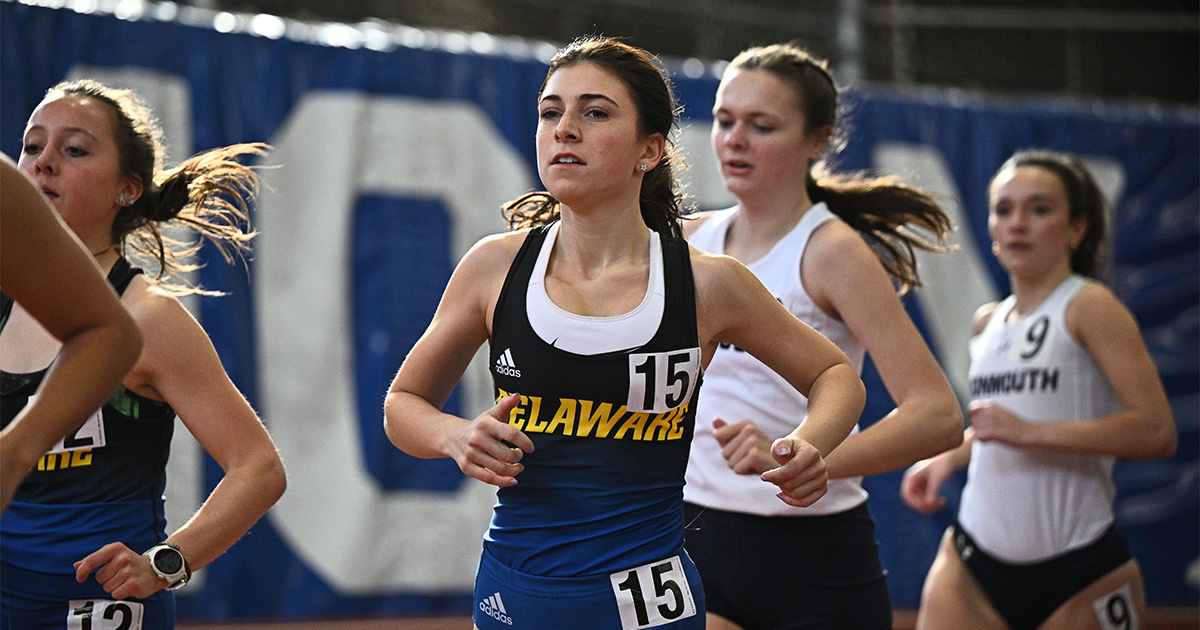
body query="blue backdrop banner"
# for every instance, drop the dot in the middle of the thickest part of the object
(393, 150)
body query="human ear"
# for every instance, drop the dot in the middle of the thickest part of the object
(652, 152)
(818, 139)
(131, 190)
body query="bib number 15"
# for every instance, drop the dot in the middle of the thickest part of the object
(662, 381)
(653, 594)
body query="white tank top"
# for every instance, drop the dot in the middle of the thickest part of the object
(737, 386)
(1026, 505)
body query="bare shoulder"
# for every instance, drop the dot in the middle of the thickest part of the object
(724, 288)
(1097, 308)
(838, 266)
(151, 306)
(1094, 296)
(492, 254)
(486, 264)
(982, 316)
(166, 325)
(833, 239)
(717, 272)
(502, 245)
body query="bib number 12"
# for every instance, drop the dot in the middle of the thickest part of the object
(102, 614)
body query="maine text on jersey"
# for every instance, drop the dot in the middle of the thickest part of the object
(1032, 380)
(589, 418)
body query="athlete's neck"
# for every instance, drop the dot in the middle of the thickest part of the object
(106, 257)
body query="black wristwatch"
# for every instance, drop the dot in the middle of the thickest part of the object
(169, 564)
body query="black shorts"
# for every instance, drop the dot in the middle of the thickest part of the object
(790, 572)
(1026, 595)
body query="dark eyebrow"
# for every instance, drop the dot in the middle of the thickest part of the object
(582, 97)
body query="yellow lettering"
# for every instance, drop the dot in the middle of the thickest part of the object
(534, 425)
(581, 418)
(661, 424)
(515, 414)
(81, 458)
(676, 428)
(603, 415)
(636, 422)
(52, 461)
(564, 416)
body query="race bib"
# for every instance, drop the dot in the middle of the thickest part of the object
(662, 381)
(104, 614)
(89, 435)
(653, 594)
(1116, 611)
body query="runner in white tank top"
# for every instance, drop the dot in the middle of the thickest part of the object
(1062, 384)
(833, 250)
(736, 385)
(1035, 369)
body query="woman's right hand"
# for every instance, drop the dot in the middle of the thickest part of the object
(922, 483)
(482, 448)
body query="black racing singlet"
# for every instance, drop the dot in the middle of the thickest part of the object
(119, 456)
(603, 489)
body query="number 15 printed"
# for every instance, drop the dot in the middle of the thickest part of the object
(662, 381)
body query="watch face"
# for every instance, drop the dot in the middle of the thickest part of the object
(168, 561)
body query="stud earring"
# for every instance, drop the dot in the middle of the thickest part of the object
(995, 248)
(643, 168)
(124, 201)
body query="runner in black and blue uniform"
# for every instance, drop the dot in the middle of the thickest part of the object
(600, 320)
(85, 539)
(102, 483)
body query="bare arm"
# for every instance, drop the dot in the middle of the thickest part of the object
(412, 410)
(846, 280)
(181, 366)
(1144, 428)
(921, 487)
(49, 273)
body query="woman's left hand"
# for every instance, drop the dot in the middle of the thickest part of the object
(801, 476)
(993, 422)
(745, 447)
(121, 571)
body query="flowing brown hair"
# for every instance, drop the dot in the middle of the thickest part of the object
(895, 219)
(209, 193)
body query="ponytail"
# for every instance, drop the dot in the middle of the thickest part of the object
(889, 215)
(209, 193)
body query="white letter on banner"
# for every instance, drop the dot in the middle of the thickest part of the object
(954, 283)
(335, 147)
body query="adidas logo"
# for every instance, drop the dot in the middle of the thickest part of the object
(493, 606)
(506, 366)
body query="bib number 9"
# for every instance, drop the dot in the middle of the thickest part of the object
(653, 594)
(1116, 611)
